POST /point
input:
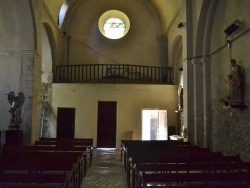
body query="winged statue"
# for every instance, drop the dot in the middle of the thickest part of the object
(16, 110)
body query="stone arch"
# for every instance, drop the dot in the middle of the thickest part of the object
(204, 29)
(177, 57)
(51, 44)
(202, 77)
(48, 64)
(176, 60)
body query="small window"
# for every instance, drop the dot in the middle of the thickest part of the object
(62, 14)
(114, 28)
(114, 24)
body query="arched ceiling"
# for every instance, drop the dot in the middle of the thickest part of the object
(167, 9)
(54, 7)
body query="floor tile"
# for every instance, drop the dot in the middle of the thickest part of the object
(106, 171)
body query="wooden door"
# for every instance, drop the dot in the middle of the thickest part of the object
(65, 122)
(106, 128)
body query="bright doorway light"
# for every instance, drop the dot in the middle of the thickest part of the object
(154, 124)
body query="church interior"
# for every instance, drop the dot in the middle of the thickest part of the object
(113, 71)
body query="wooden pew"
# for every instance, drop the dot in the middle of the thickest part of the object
(196, 180)
(78, 151)
(16, 177)
(125, 144)
(132, 146)
(28, 166)
(75, 141)
(163, 153)
(67, 142)
(60, 148)
(167, 153)
(34, 181)
(199, 157)
(43, 168)
(183, 168)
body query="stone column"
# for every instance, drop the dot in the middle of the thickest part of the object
(31, 85)
(207, 140)
(198, 100)
(202, 104)
(188, 99)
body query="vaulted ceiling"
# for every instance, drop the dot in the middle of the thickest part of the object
(167, 9)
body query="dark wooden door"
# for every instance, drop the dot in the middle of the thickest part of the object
(106, 128)
(65, 122)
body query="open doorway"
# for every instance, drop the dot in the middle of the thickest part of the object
(154, 124)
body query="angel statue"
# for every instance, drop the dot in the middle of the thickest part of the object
(16, 110)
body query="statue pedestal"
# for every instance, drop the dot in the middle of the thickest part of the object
(14, 137)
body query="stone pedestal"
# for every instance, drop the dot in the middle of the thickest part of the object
(14, 138)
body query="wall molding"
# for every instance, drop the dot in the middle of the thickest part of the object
(32, 53)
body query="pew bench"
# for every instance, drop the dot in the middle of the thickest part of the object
(65, 143)
(13, 179)
(140, 170)
(195, 180)
(173, 155)
(125, 144)
(135, 147)
(29, 167)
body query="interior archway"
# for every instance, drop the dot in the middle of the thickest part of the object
(46, 79)
(176, 59)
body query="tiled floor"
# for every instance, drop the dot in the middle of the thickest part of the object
(106, 171)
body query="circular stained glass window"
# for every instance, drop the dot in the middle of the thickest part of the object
(114, 28)
(114, 24)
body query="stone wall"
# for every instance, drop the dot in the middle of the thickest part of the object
(230, 126)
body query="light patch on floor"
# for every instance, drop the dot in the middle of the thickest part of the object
(106, 171)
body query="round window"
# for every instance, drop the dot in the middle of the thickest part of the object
(114, 24)
(114, 28)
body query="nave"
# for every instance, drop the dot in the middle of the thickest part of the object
(106, 171)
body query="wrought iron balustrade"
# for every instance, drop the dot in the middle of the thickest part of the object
(113, 73)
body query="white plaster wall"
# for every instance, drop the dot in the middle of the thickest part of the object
(131, 99)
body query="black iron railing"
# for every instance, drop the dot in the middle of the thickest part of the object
(113, 73)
